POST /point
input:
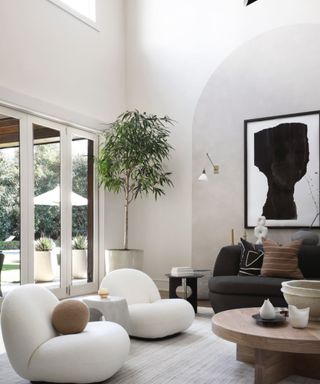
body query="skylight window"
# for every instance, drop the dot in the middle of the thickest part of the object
(84, 10)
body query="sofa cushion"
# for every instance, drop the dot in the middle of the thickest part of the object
(247, 285)
(251, 258)
(281, 261)
(309, 261)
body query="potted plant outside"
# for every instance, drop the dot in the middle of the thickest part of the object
(131, 161)
(79, 257)
(43, 270)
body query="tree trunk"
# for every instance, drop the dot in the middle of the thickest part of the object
(126, 207)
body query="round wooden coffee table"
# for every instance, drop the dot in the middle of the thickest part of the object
(277, 351)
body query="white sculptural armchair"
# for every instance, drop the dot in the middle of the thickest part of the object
(150, 317)
(37, 353)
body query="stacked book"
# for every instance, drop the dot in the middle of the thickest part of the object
(182, 271)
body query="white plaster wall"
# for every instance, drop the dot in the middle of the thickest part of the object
(53, 63)
(281, 76)
(173, 47)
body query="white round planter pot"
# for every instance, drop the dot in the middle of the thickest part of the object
(43, 270)
(120, 258)
(79, 264)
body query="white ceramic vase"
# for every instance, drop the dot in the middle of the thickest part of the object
(298, 317)
(267, 310)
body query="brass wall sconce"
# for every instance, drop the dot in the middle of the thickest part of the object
(215, 168)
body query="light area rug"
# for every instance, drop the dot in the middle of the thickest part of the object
(196, 356)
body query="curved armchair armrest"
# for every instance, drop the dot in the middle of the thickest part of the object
(87, 357)
(228, 260)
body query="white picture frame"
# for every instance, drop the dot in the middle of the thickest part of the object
(258, 185)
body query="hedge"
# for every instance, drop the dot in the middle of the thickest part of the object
(5, 245)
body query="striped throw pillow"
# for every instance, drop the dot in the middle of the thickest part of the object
(281, 261)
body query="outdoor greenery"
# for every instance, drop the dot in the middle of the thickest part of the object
(131, 160)
(44, 244)
(9, 194)
(4, 245)
(10, 267)
(46, 177)
(79, 242)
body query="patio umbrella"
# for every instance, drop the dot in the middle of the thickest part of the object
(52, 197)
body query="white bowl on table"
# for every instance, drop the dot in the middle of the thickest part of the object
(302, 294)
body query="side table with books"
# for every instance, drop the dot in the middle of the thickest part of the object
(185, 277)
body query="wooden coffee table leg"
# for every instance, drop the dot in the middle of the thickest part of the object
(271, 367)
(245, 354)
(307, 365)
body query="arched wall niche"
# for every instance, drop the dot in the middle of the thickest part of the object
(275, 73)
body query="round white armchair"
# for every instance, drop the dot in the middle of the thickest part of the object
(150, 317)
(37, 353)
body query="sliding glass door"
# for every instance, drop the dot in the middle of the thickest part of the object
(47, 203)
(49, 192)
(10, 199)
(84, 215)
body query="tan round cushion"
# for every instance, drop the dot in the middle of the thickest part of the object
(70, 316)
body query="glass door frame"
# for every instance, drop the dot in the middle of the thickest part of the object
(81, 289)
(24, 153)
(26, 162)
(62, 290)
(66, 133)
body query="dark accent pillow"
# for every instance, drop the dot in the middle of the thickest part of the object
(281, 261)
(251, 258)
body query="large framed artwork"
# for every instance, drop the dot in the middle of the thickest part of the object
(282, 170)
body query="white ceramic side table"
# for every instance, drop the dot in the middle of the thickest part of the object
(113, 308)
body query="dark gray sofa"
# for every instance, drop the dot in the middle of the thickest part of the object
(227, 290)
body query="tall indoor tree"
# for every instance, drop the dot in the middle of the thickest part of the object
(131, 159)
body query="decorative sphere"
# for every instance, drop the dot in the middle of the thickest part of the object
(70, 316)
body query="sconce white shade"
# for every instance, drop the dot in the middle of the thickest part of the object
(203, 176)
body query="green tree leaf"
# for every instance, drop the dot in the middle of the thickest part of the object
(131, 159)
